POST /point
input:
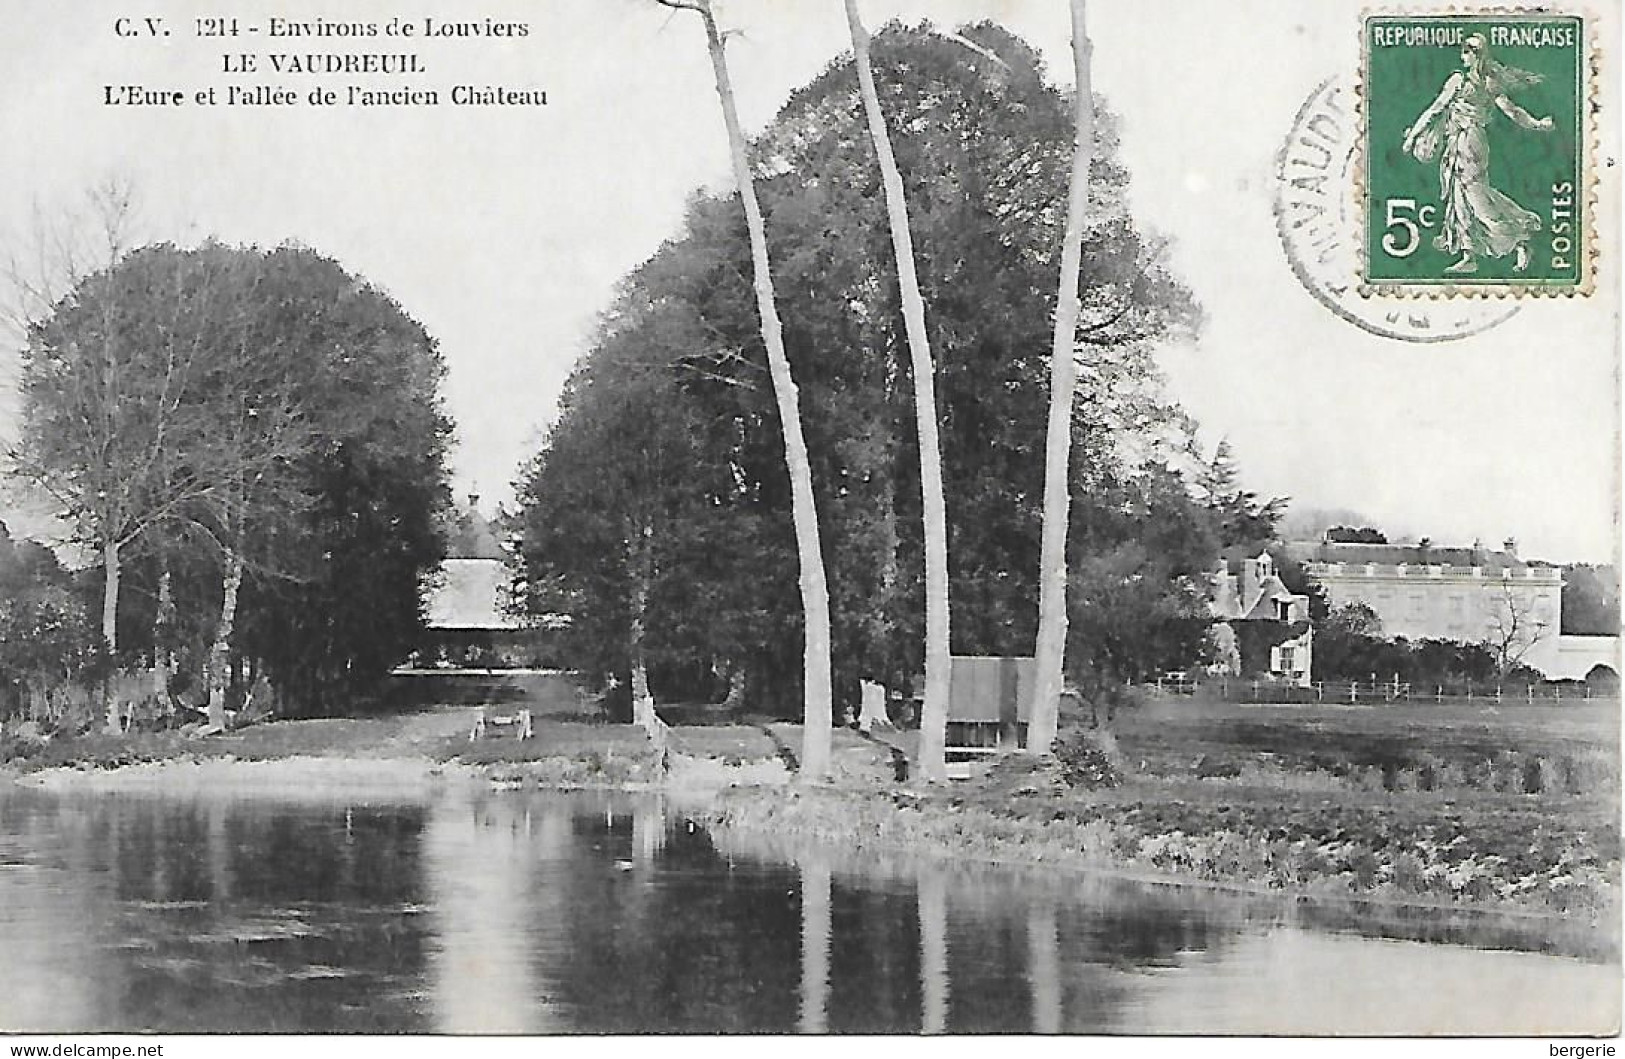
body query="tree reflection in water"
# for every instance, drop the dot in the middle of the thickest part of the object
(1044, 965)
(815, 941)
(931, 889)
(538, 913)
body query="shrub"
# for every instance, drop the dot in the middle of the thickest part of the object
(1407, 875)
(1090, 758)
(47, 641)
(1209, 767)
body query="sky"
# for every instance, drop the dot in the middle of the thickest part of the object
(505, 230)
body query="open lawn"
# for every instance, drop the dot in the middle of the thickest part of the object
(1529, 750)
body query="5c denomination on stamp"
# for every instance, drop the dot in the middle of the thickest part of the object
(1475, 163)
(1318, 219)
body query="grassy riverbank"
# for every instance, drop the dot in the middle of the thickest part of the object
(1503, 856)
(1516, 809)
(428, 725)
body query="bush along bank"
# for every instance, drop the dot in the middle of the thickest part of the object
(1492, 860)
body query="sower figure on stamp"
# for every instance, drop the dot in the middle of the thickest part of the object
(1478, 220)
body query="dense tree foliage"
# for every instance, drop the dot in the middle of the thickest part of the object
(1349, 645)
(347, 604)
(1591, 600)
(657, 553)
(1355, 535)
(983, 146)
(46, 636)
(1243, 518)
(1143, 548)
(1424, 664)
(252, 444)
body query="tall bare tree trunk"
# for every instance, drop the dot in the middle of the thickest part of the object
(643, 703)
(817, 711)
(163, 658)
(220, 651)
(1044, 714)
(110, 579)
(640, 566)
(934, 712)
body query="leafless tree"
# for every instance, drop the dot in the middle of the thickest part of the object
(153, 399)
(59, 248)
(41, 260)
(107, 380)
(1515, 621)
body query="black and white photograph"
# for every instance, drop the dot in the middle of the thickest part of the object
(1085, 520)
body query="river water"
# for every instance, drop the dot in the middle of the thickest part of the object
(533, 913)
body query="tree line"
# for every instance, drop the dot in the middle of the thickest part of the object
(248, 447)
(660, 512)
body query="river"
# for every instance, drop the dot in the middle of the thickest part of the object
(532, 913)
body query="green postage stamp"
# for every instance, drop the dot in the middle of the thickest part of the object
(1476, 168)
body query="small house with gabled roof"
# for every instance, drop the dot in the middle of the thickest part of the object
(1267, 622)
(466, 612)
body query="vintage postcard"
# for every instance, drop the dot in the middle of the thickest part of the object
(554, 518)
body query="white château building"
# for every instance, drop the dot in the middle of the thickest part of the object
(1470, 595)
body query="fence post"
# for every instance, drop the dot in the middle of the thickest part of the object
(1354, 691)
(1497, 693)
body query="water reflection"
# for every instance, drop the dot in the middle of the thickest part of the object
(931, 891)
(197, 916)
(1044, 965)
(477, 860)
(514, 913)
(1304, 982)
(815, 937)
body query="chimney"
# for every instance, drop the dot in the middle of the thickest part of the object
(1510, 546)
